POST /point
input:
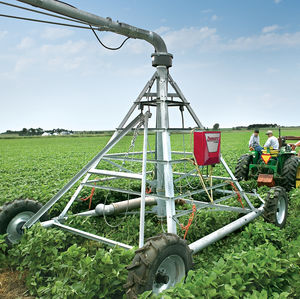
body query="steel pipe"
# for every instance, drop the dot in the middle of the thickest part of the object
(224, 231)
(104, 24)
(122, 206)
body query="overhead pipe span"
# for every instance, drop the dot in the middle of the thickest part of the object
(107, 24)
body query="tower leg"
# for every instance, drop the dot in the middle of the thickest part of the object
(164, 148)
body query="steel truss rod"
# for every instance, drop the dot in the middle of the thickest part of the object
(171, 130)
(154, 94)
(154, 103)
(117, 165)
(201, 205)
(143, 188)
(91, 236)
(150, 161)
(84, 170)
(237, 183)
(148, 86)
(113, 189)
(189, 194)
(242, 192)
(184, 175)
(126, 154)
(188, 106)
(181, 153)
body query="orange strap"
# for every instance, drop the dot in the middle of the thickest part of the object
(186, 228)
(90, 197)
(237, 193)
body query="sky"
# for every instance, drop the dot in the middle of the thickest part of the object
(237, 63)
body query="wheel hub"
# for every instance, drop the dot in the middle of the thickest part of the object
(170, 271)
(14, 228)
(281, 210)
(161, 278)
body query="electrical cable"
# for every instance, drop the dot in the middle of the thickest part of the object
(43, 13)
(106, 47)
(56, 23)
(47, 22)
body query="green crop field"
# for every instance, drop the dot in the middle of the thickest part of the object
(258, 261)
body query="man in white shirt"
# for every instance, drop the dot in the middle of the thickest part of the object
(272, 141)
(254, 141)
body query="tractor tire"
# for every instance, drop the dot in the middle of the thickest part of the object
(161, 263)
(13, 215)
(289, 173)
(242, 167)
(276, 206)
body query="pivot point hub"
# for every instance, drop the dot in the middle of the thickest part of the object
(162, 59)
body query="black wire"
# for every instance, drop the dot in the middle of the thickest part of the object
(47, 22)
(41, 12)
(106, 47)
(56, 23)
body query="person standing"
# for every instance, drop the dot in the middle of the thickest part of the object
(272, 141)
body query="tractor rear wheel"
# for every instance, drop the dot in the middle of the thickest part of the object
(276, 206)
(162, 262)
(242, 167)
(13, 215)
(290, 172)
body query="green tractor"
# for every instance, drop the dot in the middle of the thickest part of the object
(274, 167)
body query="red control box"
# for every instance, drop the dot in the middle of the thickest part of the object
(207, 146)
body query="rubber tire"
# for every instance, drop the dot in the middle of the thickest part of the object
(271, 202)
(242, 167)
(9, 210)
(141, 272)
(289, 172)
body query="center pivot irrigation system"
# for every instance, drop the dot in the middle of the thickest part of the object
(165, 259)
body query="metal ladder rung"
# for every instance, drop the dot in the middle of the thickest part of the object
(116, 174)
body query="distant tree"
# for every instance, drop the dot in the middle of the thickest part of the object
(216, 126)
(24, 132)
(254, 126)
(39, 131)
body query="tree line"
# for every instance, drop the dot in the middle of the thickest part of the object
(35, 132)
(255, 126)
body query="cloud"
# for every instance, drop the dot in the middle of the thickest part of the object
(58, 63)
(277, 1)
(162, 29)
(271, 70)
(22, 64)
(69, 47)
(52, 33)
(26, 43)
(191, 37)
(264, 41)
(208, 39)
(268, 29)
(206, 10)
(3, 34)
(214, 18)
